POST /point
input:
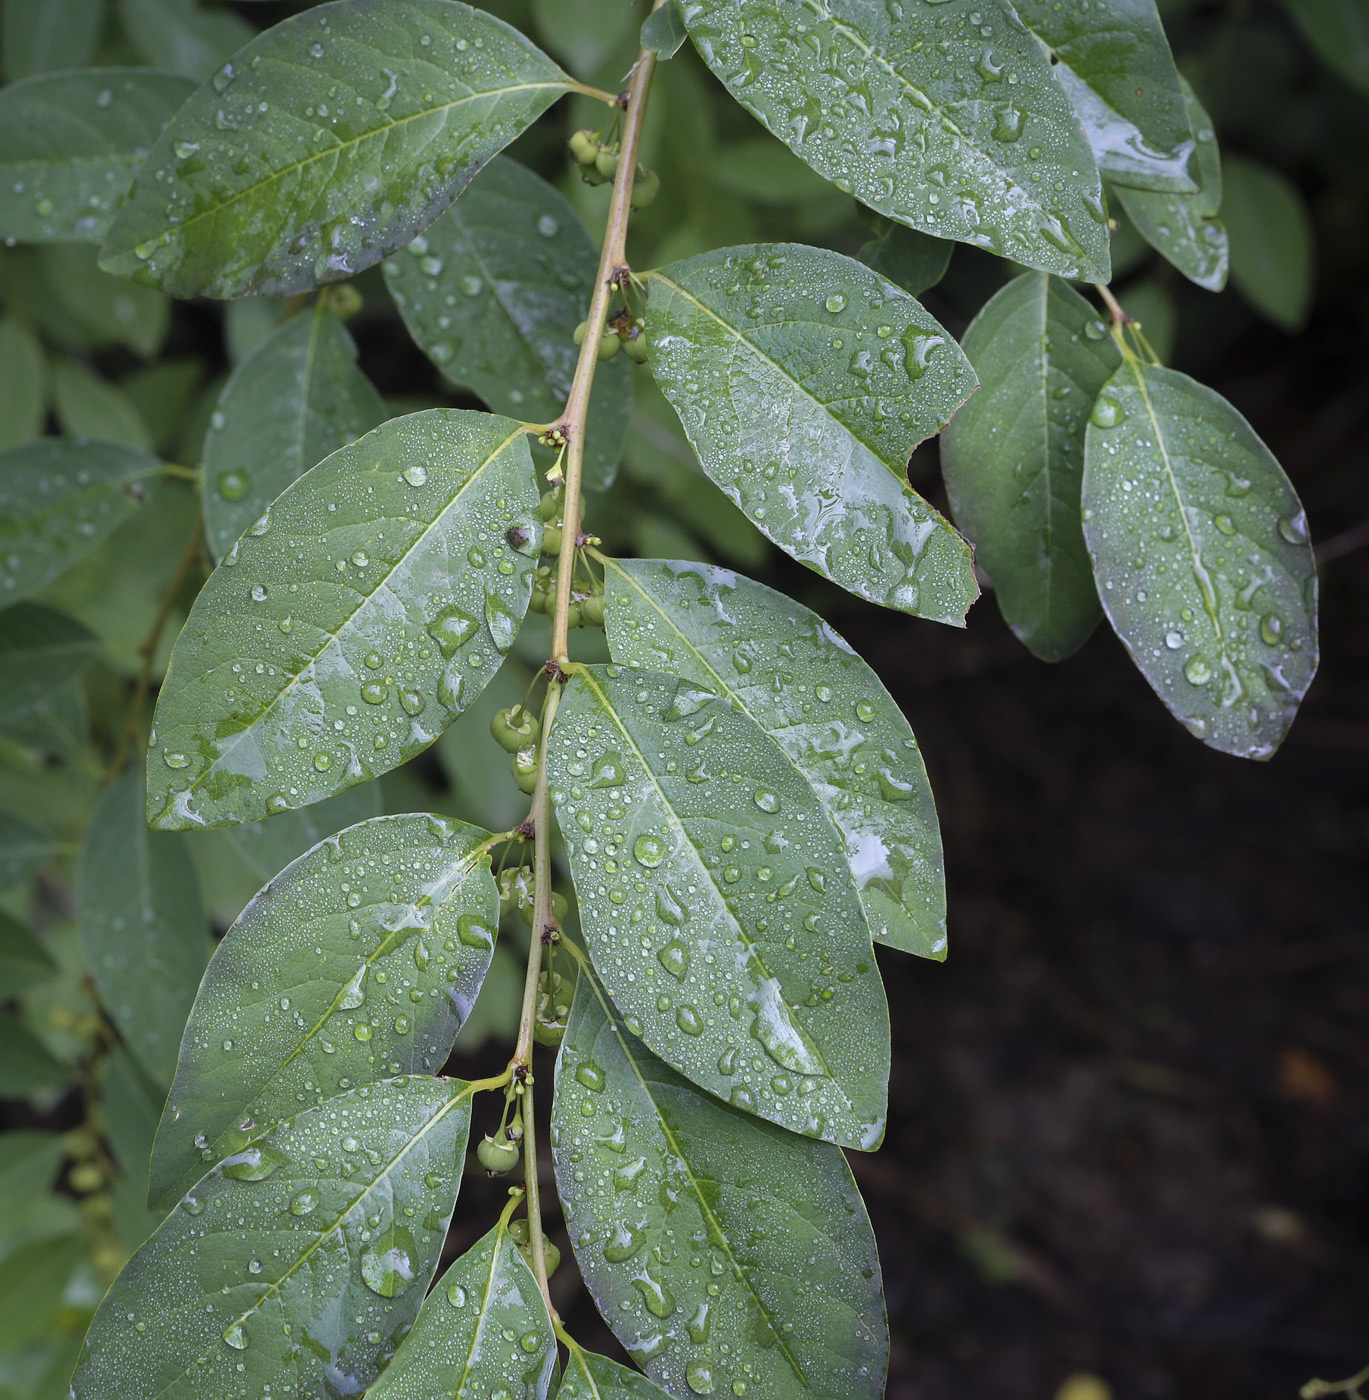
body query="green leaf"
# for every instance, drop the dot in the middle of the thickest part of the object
(1272, 243)
(589, 1376)
(72, 143)
(718, 1248)
(295, 399)
(143, 929)
(179, 36)
(804, 381)
(97, 310)
(359, 961)
(269, 846)
(710, 877)
(492, 293)
(41, 651)
(60, 725)
(28, 1164)
(23, 392)
(341, 604)
(1339, 32)
(1114, 63)
(1013, 457)
(32, 1281)
(37, 36)
(1201, 554)
(270, 181)
(823, 707)
(131, 1104)
(483, 1329)
(911, 260)
(24, 962)
(88, 406)
(58, 500)
(26, 1066)
(295, 1266)
(1185, 229)
(952, 122)
(24, 850)
(663, 31)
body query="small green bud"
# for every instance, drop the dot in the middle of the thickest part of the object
(549, 507)
(634, 345)
(591, 176)
(645, 187)
(574, 617)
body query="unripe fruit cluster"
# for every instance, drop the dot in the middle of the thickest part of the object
(622, 333)
(553, 1010)
(586, 606)
(520, 1235)
(598, 162)
(516, 892)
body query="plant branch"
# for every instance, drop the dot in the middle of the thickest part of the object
(612, 272)
(1119, 317)
(1349, 1386)
(148, 648)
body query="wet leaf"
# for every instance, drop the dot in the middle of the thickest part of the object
(1114, 63)
(143, 929)
(269, 846)
(36, 38)
(181, 37)
(1013, 457)
(102, 310)
(41, 651)
(492, 293)
(337, 639)
(951, 122)
(24, 850)
(716, 902)
(71, 144)
(58, 500)
(822, 706)
(131, 1104)
(298, 1265)
(357, 962)
(1185, 229)
(1273, 248)
(326, 143)
(1201, 555)
(484, 1328)
(589, 1376)
(804, 381)
(295, 399)
(23, 391)
(720, 1250)
(663, 32)
(909, 259)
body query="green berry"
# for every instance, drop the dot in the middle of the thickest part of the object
(515, 729)
(497, 1157)
(584, 146)
(592, 610)
(523, 766)
(551, 540)
(548, 1033)
(634, 346)
(645, 187)
(574, 617)
(591, 176)
(577, 338)
(609, 345)
(515, 889)
(518, 1231)
(549, 507)
(551, 1257)
(606, 163)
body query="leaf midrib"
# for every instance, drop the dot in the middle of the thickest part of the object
(248, 731)
(744, 936)
(383, 1175)
(704, 1208)
(337, 150)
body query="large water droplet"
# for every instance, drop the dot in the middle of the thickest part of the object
(254, 1163)
(674, 957)
(354, 993)
(387, 1263)
(784, 1040)
(649, 851)
(236, 1337)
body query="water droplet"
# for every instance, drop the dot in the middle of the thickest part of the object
(412, 702)
(233, 485)
(627, 1240)
(304, 1202)
(591, 1076)
(1225, 524)
(649, 851)
(500, 620)
(1198, 672)
(354, 993)
(608, 772)
(1095, 330)
(176, 760)
(784, 1040)
(1174, 640)
(387, 1263)
(253, 1163)
(456, 1296)
(415, 475)
(835, 303)
(236, 1337)
(700, 1378)
(548, 227)
(452, 629)
(1107, 412)
(674, 957)
(689, 1021)
(766, 800)
(1271, 630)
(373, 693)
(259, 592)
(1294, 528)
